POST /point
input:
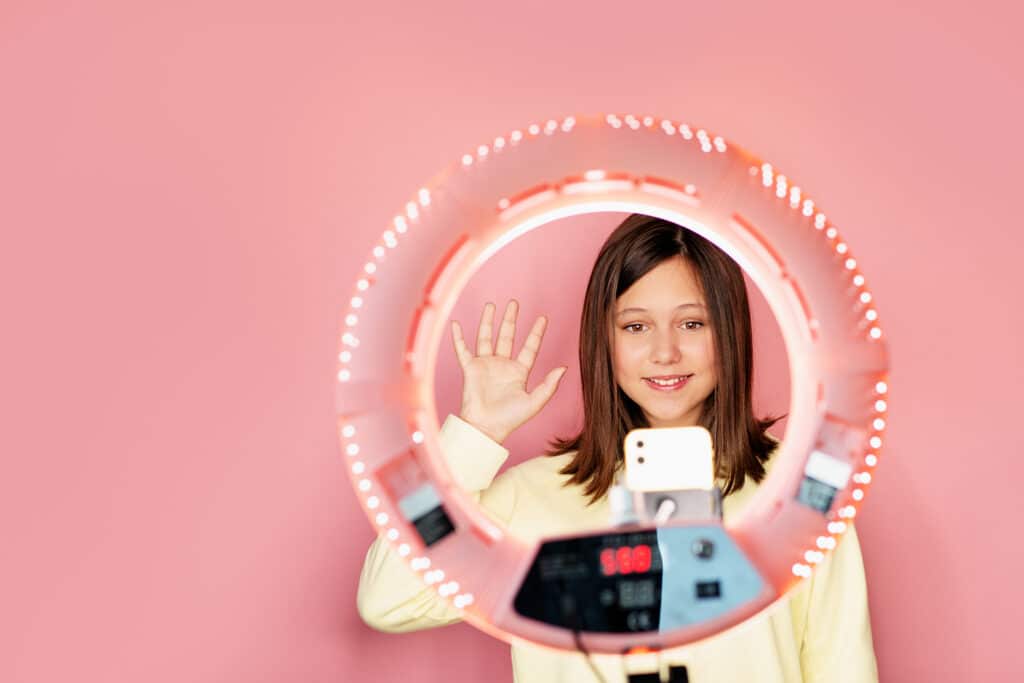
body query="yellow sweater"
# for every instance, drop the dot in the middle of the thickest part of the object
(819, 632)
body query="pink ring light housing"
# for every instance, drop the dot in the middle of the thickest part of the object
(395, 323)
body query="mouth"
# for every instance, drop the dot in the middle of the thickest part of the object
(667, 382)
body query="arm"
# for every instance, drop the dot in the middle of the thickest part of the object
(391, 596)
(837, 645)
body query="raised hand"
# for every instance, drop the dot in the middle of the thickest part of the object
(494, 395)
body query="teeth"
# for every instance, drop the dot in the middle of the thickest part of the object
(666, 383)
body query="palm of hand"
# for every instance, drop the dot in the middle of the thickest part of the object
(494, 394)
(498, 389)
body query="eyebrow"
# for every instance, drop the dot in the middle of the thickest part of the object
(644, 310)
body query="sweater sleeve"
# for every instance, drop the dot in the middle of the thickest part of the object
(837, 644)
(391, 597)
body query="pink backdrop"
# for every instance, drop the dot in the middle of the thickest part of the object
(187, 190)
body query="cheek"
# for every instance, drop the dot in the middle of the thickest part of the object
(704, 348)
(627, 359)
(631, 355)
(709, 357)
(700, 353)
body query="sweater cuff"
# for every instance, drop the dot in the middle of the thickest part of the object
(472, 457)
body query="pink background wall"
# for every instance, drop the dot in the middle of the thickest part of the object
(187, 190)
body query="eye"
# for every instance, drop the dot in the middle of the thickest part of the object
(629, 327)
(693, 324)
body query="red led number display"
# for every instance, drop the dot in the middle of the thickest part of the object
(626, 560)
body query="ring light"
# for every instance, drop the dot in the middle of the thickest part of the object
(395, 321)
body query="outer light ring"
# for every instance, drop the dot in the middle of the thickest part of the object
(394, 325)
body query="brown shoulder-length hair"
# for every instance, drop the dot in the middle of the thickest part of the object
(742, 444)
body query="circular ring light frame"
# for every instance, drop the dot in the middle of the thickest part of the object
(395, 323)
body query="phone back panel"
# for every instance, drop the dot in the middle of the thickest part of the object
(669, 459)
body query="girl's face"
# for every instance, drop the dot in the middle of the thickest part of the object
(661, 331)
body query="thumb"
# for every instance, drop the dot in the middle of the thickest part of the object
(546, 389)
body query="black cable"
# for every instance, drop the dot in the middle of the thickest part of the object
(586, 654)
(570, 614)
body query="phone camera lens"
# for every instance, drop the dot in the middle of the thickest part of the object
(640, 460)
(639, 444)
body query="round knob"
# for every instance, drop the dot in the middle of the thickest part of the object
(703, 548)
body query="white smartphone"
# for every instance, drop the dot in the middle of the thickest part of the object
(669, 459)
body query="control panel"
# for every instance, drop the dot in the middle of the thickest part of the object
(653, 579)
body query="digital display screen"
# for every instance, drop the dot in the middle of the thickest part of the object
(635, 594)
(626, 560)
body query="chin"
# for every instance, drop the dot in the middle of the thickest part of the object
(662, 418)
(673, 418)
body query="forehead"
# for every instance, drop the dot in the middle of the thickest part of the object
(666, 286)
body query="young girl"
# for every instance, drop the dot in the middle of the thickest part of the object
(665, 341)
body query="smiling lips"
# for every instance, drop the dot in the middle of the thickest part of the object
(667, 382)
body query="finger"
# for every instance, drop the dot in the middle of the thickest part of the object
(528, 355)
(462, 352)
(546, 389)
(507, 333)
(483, 334)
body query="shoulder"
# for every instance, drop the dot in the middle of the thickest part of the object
(547, 504)
(542, 470)
(738, 499)
(772, 457)
(540, 479)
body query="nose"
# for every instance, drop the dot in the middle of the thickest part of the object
(665, 349)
